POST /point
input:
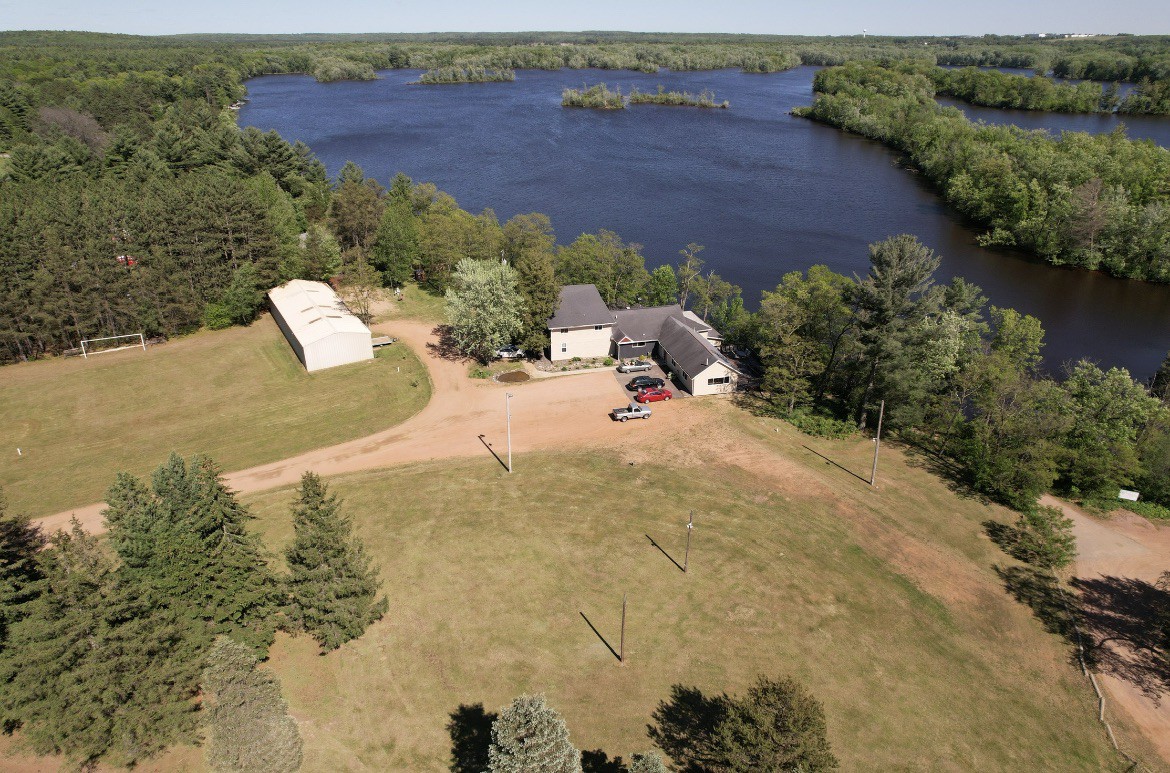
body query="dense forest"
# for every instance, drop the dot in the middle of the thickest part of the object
(1095, 201)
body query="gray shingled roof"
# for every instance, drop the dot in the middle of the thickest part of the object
(647, 324)
(580, 306)
(689, 348)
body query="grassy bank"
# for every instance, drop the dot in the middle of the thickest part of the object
(598, 97)
(239, 395)
(886, 605)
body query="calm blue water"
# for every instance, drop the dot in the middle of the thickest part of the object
(765, 192)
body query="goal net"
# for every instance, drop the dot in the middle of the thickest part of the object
(109, 344)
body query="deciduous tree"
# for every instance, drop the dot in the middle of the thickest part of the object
(484, 308)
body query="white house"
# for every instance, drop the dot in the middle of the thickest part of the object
(582, 325)
(685, 345)
(318, 326)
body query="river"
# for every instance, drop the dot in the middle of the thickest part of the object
(765, 192)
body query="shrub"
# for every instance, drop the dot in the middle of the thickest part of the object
(608, 361)
(478, 372)
(817, 424)
(1149, 510)
(1043, 537)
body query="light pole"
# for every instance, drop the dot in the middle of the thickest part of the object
(877, 444)
(690, 528)
(508, 410)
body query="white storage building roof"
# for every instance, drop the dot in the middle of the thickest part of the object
(318, 326)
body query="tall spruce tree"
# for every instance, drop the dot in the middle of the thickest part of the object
(529, 245)
(332, 584)
(184, 540)
(250, 729)
(96, 669)
(530, 735)
(20, 573)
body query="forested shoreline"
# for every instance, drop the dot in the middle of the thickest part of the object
(1093, 201)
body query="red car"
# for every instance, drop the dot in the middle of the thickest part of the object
(653, 395)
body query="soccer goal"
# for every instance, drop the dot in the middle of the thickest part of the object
(112, 344)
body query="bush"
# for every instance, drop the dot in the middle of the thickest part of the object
(818, 425)
(608, 361)
(478, 372)
(1149, 510)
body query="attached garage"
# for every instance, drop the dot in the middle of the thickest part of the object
(318, 326)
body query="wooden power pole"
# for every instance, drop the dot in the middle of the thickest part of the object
(877, 444)
(622, 641)
(687, 554)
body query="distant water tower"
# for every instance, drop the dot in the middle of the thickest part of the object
(863, 32)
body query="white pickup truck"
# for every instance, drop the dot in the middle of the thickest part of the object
(631, 411)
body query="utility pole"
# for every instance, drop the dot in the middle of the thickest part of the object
(508, 411)
(690, 528)
(877, 443)
(622, 642)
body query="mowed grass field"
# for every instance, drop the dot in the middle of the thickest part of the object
(239, 395)
(885, 604)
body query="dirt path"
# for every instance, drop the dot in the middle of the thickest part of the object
(568, 412)
(1124, 547)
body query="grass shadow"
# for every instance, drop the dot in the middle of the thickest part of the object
(599, 636)
(1054, 606)
(470, 729)
(839, 467)
(663, 552)
(1003, 535)
(492, 451)
(944, 468)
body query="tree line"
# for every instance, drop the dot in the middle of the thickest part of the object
(967, 389)
(1094, 201)
(113, 650)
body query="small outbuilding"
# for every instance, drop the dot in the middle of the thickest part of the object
(318, 326)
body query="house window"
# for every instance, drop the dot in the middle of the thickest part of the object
(597, 327)
(720, 380)
(564, 330)
(564, 347)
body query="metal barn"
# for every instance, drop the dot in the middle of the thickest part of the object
(318, 326)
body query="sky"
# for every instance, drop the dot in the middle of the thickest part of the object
(809, 17)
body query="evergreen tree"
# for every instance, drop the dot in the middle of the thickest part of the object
(185, 541)
(529, 245)
(1160, 383)
(1044, 537)
(778, 726)
(531, 736)
(332, 584)
(97, 669)
(395, 251)
(250, 729)
(20, 573)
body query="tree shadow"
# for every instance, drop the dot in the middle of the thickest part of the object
(1126, 622)
(685, 724)
(445, 349)
(943, 467)
(1003, 535)
(470, 728)
(1054, 606)
(597, 761)
(663, 552)
(599, 636)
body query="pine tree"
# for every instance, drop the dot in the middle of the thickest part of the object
(778, 726)
(333, 584)
(250, 729)
(185, 541)
(97, 669)
(529, 245)
(20, 573)
(529, 736)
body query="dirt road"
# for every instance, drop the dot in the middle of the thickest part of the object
(462, 416)
(1110, 552)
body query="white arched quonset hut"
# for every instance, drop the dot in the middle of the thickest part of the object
(318, 326)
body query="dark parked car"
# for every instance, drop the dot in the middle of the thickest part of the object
(653, 395)
(645, 382)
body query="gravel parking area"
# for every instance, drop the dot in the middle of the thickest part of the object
(656, 371)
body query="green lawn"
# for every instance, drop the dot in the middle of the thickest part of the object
(239, 395)
(921, 658)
